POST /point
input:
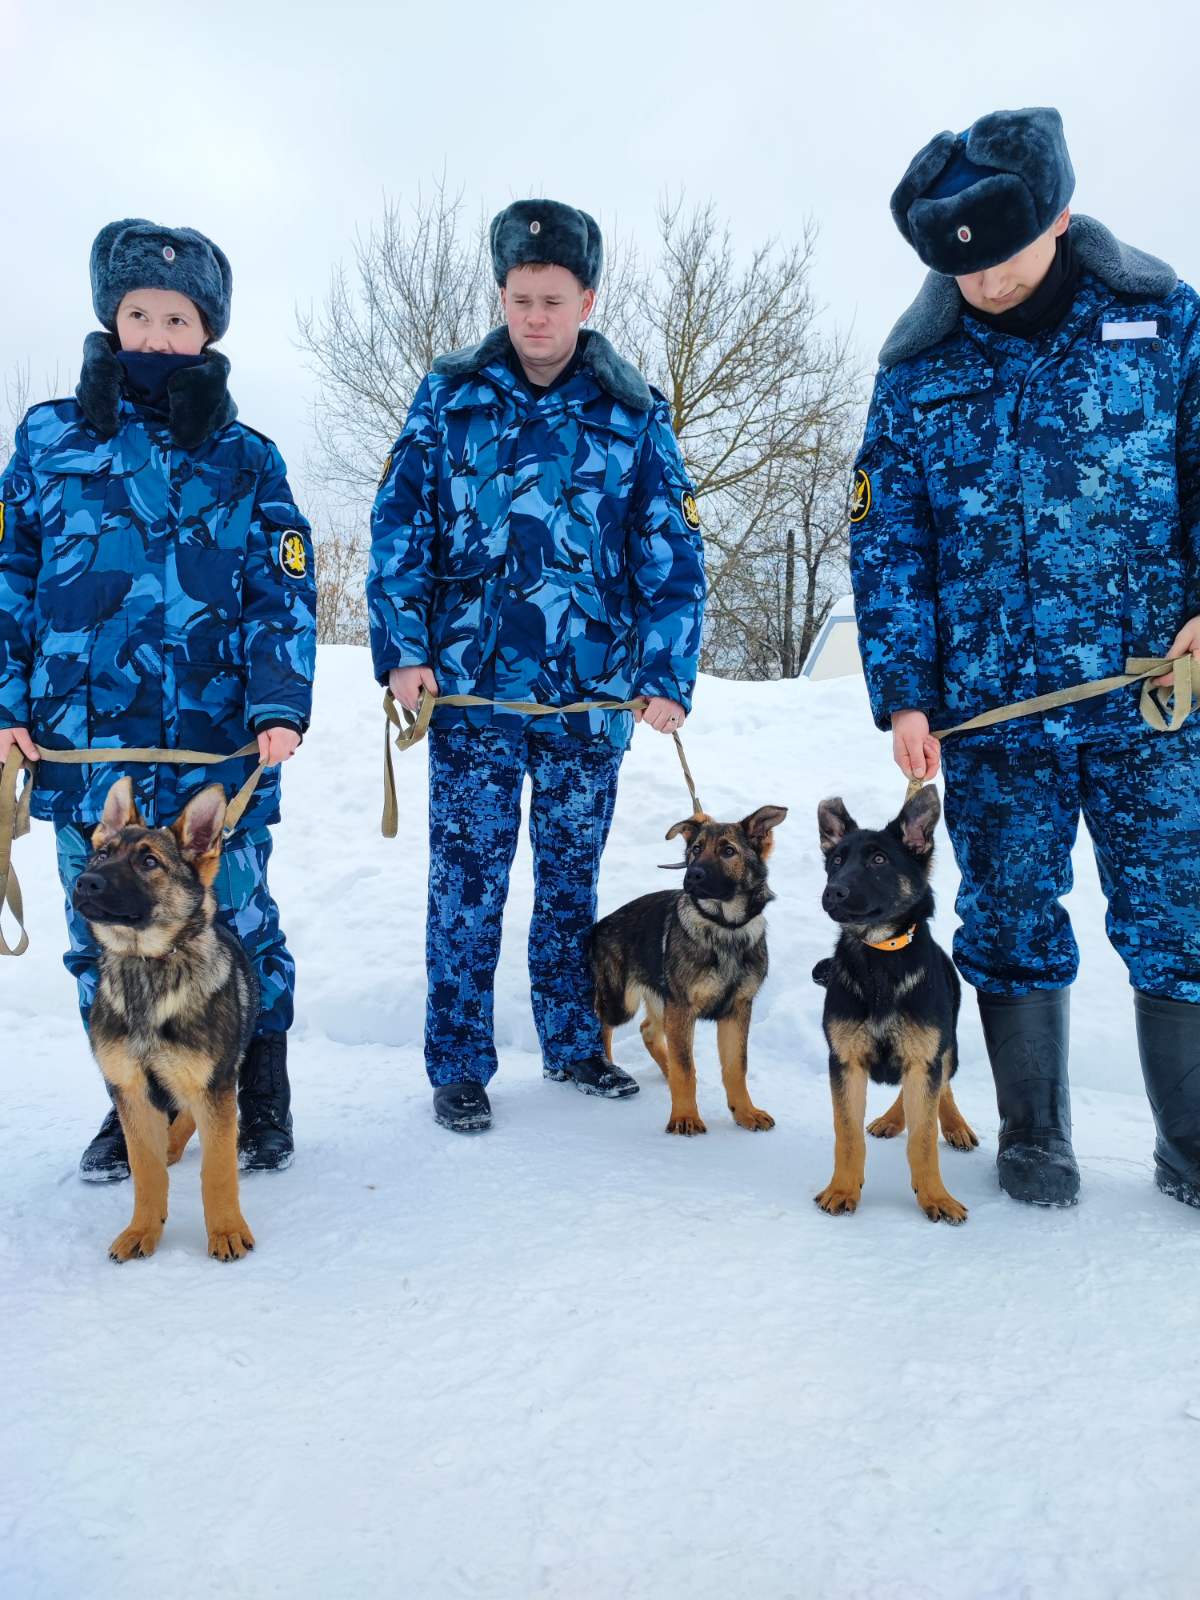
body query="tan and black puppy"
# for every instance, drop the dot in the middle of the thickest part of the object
(891, 1003)
(695, 952)
(174, 1009)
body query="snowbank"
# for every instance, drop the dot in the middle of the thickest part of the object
(576, 1358)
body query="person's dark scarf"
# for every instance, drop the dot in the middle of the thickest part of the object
(146, 375)
(1048, 305)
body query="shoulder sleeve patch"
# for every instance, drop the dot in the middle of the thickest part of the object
(691, 512)
(293, 554)
(860, 496)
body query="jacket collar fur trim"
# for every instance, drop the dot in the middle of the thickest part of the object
(612, 372)
(200, 402)
(937, 311)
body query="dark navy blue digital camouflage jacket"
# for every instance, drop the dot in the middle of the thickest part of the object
(150, 594)
(1027, 513)
(541, 549)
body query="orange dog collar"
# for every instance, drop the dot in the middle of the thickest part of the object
(900, 942)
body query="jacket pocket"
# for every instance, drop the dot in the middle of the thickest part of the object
(955, 418)
(209, 700)
(59, 720)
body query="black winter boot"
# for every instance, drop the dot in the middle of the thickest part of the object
(106, 1159)
(596, 1075)
(1169, 1044)
(1027, 1038)
(264, 1107)
(462, 1107)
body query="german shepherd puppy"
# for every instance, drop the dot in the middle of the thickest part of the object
(699, 951)
(891, 1003)
(174, 1009)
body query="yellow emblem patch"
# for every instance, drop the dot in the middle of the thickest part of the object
(691, 512)
(860, 498)
(387, 467)
(293, 555)
(1, 521)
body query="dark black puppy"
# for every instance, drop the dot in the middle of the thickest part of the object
(891, 1003)
(692, 953)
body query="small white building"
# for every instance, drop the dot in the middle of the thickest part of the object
(835, 651)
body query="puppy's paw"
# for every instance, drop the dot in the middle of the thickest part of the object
(229, 1242)
(751, 1117)
(939, 1206)
(134, 1242)
(686, 1125)
(838, 1202)
(886, 1126)
(961, 1137)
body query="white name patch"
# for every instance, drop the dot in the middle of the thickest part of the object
(1129, 330)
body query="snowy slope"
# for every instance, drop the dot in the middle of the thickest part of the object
(576, 1358)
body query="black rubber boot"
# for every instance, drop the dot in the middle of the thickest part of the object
(1027, 1038)
(1169, 1044)
(596, 1075)
(265, 1141)
(462, 1107)
(106, 1159)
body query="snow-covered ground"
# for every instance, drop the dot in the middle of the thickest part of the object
(576, 1358)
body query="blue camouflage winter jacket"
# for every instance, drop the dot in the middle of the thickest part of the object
(541, 549)
(1027, 513)
(151, 592)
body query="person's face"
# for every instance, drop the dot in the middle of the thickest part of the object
(160, 322)
(1003, 287)
(544, 307)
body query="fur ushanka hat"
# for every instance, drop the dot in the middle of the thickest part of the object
(547, 233)
(971, 200)
(136, 254)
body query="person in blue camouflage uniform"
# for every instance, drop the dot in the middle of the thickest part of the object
(156, 589)
(1026, 516)
(535, 537)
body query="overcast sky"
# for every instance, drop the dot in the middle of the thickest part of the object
(276, 128)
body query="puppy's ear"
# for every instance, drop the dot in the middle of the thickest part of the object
(197, 831)
(834, 822)
(120, 811)
(758, 825)
(918, 820)
(690, 827)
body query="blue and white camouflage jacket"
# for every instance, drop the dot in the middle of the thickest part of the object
(542, 549)
(1027, 512)
(156, 588)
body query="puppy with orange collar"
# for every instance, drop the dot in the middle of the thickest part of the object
(891, 1003)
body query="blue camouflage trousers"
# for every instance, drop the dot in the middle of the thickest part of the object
(1013, 814)
(475, 781)
(244, 904)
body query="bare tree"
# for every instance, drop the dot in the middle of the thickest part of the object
(766, 615)
(758, 391)
(17, 389)
(420, 284)
(16, 398)
(341, 563)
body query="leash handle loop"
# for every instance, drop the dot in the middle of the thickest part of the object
(411, 727)
(1165, 711)
(14, 804)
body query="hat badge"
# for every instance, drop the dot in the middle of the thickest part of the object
(168, 253)
(964, 234)
(535, 227)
